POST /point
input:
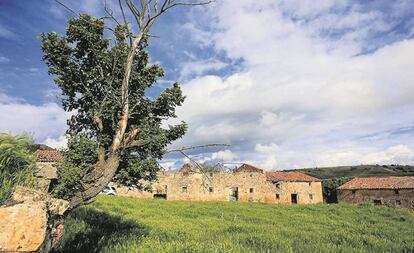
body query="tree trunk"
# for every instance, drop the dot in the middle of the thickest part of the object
(100, 177)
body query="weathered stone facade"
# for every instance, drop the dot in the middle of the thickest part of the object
(396, 191)
(245, 184)
(400, 198)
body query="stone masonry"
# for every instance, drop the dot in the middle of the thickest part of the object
(247, 183)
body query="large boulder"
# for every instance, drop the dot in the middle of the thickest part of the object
(32, 221)
(23, 227)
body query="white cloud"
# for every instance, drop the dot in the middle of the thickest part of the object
(299, 84)
(392, 155)
(198, 67)
(46, 122)
(60, 142)
(204, 38)
(267, 155)
(224, 155)
(270, 149)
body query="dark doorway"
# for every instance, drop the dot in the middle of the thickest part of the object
(294, 198)
(234, 194)
(160, 196)
(377, 202)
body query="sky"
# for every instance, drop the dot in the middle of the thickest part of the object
(286, 83)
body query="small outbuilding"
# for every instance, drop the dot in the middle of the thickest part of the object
(295, 187)
(396, 191)
(46, 171)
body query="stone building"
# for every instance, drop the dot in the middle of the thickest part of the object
(45, 171)
(246, 183)
(397, 191)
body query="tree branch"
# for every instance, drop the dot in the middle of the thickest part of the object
(67, 7)
(110, 13)
(131, 136)
(125, 22)
(195, 147)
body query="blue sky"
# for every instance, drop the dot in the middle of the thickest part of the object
(288, 83)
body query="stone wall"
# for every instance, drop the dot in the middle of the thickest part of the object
(306, 192)
(133, 192)
(399, 198)
(223, 186)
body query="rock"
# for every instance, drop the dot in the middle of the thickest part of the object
(57, 206)
(23, 227)
(24, 194)
(32, 222)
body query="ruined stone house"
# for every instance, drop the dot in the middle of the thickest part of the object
(396, 191)
(246, 183)
(46, 171)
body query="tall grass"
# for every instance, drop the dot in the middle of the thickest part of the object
(16, 163)
(116, 224)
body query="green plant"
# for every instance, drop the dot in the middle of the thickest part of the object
(120, 224)
(16, 163)
(329, 188)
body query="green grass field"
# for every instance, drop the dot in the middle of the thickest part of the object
(116, 224)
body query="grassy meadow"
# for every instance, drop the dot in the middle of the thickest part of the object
(117, 224)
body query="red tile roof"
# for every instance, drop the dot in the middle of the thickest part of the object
(379, 183)
(290, 177)
(43, 155)
(248, 168)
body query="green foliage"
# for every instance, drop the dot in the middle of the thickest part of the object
(329, 188)
(16, 163)
(88, 67)
(360, 171)
(116, 224)
(80, 156)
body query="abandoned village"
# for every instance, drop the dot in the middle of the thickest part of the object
(249, 183)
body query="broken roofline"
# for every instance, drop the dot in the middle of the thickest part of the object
(274, 176)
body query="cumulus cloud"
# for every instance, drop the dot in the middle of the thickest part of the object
(198, 67)
(306, 80)
(224, 155)
(46, 122)
(268, 153)
(59, 142)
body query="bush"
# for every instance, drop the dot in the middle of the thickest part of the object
(79, 158)
(329, 188)
(16, 164)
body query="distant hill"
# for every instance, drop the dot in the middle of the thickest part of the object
(359, 171)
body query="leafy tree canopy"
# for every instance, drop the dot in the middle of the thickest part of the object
(89, 68)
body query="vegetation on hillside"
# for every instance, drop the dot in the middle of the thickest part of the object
(16, 163)
(116, 224)
(360, 171)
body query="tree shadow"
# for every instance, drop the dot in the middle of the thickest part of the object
(88, 230)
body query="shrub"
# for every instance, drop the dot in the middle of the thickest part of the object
(16, 163)
(329, 188)
(79, 158)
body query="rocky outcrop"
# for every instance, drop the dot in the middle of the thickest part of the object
(31, 221)
(23, 227)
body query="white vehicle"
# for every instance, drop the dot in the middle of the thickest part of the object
(109, 190)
